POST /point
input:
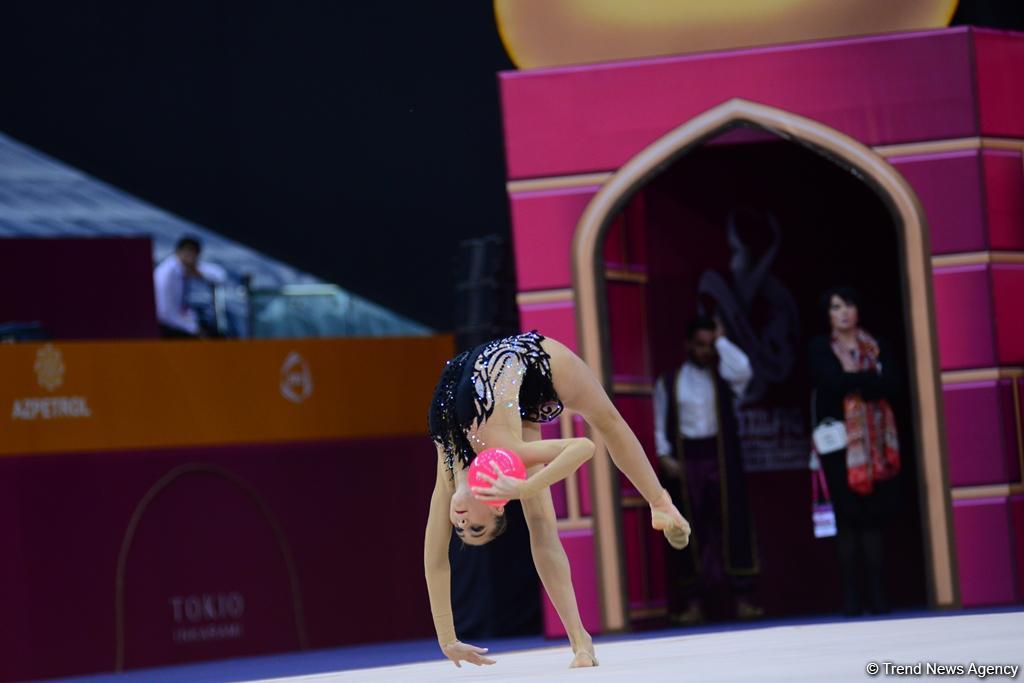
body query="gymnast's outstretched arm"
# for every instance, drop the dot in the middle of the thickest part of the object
(439, 574)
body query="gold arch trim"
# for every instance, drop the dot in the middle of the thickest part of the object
(591, 312)
(981, 375)
(200, 469)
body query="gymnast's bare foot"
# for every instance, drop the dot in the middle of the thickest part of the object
(665, 517)
(584, 658)
(583, 652)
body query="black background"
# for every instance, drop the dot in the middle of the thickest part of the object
(358, 141)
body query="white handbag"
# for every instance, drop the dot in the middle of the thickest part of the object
(830, 435)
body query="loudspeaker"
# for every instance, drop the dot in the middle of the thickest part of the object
(485, 292)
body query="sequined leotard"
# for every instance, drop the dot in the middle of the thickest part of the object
(473, 383)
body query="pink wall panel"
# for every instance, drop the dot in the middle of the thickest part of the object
(1017, 521)
(963, 311)
(880, 89)
(559, 500)
(638, 412)
(644, 550)
(63, 519)
(556, 320)
(656, 559)
(1008, 294)
(635, 555)
(553, 430)
(999, 63)
(128, 308)
(616, 251)
(1004, 198)
(985, 556)
(542, 227)
(579, 546)
(579, 428)
(981, 433)
(950, 189)
(627, 322)
(625, 246)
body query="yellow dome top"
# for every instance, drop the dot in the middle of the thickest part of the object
(557, 32)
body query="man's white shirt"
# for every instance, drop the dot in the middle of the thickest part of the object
(695, 395)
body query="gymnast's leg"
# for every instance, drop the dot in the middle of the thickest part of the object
(580, 391)
(553, 566)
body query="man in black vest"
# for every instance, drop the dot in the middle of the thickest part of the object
(697, 438)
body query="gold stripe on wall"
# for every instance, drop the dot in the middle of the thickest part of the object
(952, 145)
(633, 388)
(974, 258)
(981, 375)
(575, 524)
(913, 148)
(544, 296)
(617, 275)
(993, 491)
(557, 182)
(647, 613)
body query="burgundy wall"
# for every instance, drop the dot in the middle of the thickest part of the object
(92, 288)
(63, 519)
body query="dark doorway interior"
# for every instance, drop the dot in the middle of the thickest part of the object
(832, 229)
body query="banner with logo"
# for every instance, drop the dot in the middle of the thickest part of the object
(62, 397)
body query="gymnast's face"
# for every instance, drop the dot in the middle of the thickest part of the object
(473, 520)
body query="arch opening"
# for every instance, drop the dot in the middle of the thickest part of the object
(731, 165)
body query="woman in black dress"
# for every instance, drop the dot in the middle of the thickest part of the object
(854, 377)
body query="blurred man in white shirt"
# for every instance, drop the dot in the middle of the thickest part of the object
(697, 439)
(170, 284)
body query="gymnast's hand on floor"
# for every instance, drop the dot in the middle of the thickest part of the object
(501, 487)
(458, 651)
(665, 517)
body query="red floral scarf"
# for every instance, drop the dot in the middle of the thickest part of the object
(872, 447)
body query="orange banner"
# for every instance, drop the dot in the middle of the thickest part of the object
(74, 396)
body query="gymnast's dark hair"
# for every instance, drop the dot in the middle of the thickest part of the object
(500, 525)
(846, 293)
(442, 417)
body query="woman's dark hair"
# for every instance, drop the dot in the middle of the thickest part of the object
(848, 294)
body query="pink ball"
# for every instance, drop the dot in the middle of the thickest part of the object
(510, 463)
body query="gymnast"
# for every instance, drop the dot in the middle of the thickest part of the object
(494, 396)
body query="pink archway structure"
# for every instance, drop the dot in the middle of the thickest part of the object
(943, 154)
